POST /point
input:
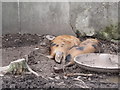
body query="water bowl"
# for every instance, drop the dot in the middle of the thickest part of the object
(100, 62)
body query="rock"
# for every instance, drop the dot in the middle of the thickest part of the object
(90, 18)
(79, 77)
(12, 86)
(110, 32)
(82, 24)
(61, 83)
(57, 77)
(50, 78)
(89, 79)
(57, 69)
(65, 77)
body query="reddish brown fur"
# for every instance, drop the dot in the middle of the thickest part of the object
(63, 43)
(88, 48)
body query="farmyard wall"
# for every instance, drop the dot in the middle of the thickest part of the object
(56, 17)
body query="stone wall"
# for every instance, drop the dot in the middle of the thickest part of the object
(57, 17)
(93, 16)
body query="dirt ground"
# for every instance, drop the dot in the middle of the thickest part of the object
(15, 46)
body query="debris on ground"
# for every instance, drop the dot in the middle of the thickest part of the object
(15, 46)
(17, 67)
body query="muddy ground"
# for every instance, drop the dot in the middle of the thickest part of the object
(15, 46)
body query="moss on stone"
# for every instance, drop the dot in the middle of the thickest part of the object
(110, 32)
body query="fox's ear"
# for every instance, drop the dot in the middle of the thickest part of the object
(50, 37)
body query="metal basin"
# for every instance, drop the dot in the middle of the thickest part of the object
(98, 62)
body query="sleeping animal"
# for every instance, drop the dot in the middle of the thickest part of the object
(87, 46)
(60, 45)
